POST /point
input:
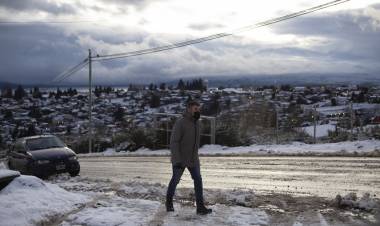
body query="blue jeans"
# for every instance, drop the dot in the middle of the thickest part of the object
(195, 175)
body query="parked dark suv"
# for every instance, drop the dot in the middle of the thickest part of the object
(42, 156)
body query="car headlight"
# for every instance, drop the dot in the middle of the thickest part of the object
(72, 158)
(43, 161)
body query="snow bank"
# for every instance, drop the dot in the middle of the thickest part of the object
(3, 165)
(157, 191)
(27, 200)
(298, 148)
(365, 147)
(140, 203)
(154, 191)
(8, 173)
(366, 202)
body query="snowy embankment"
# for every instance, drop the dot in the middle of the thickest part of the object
(140, 203)
(65, 201)
(81, 201)
(27, 200)
(347, 148)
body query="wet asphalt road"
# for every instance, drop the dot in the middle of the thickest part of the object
(321, 176)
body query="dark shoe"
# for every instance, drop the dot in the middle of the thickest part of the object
(203, 210)
(169, 206)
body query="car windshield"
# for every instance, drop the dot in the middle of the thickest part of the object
(44, 143)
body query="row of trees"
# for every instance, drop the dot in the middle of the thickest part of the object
(19, 93)
(195, 84)
(99, 90)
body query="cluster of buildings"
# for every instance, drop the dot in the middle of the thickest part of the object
(68, 114)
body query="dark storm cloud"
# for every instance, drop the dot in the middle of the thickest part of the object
(38, 5)
(335, 25)
(37, 53)
(31, 54)
(350, 35)
(294, 51)
(113, 36)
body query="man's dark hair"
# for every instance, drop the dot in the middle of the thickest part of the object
(192, 103)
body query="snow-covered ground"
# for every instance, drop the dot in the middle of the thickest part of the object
(141, 203)
(28, 200)
(321, 130)
(63, 200)
(119, 211)
(7, 173)
(364, 147)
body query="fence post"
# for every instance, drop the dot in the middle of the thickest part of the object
(213, 128)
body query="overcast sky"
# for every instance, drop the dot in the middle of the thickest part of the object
(341, 39)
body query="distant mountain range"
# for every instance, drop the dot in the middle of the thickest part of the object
(295, 79)
(300, 79)
(7, 84)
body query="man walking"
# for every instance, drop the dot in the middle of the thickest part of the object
(184, 144)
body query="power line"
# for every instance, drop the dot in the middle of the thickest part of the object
(73, 72)
(98, 57)
(219, 35)
(48, 22)
(70, 71)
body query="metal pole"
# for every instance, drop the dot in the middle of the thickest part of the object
(90, 102)
(167, 131)
(315, 124)
(276, 111)
(155, 130)
(351, 122)
(213, 125)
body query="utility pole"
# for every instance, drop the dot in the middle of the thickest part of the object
(213, 128)
(315, 123)
(276, 111)
(90, 102)
(351, 122)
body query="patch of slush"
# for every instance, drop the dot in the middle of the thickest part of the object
(115, 211)
(153, 191)
(367, 202)
(221, 215)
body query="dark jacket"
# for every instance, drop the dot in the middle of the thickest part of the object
(184, 141)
